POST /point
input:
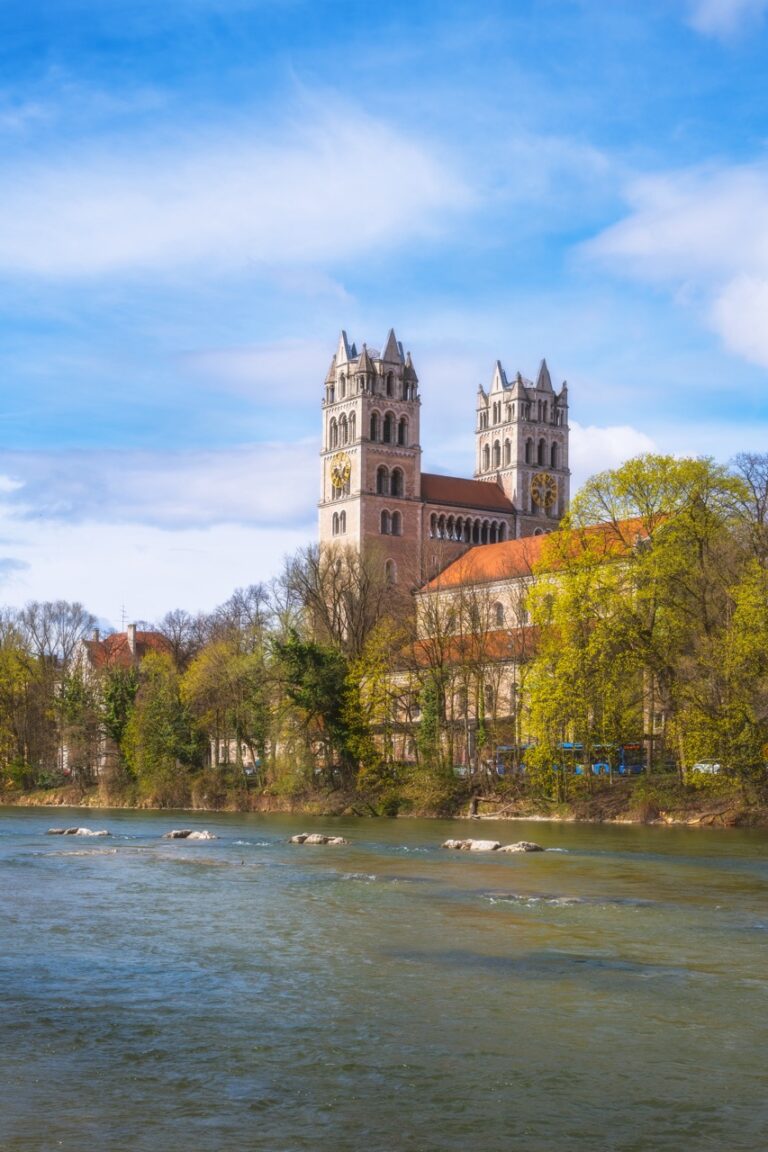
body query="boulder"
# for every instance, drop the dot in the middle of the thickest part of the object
(78, 832)
(473, 845)
(188, 834)
(522, 846)
(316, 838)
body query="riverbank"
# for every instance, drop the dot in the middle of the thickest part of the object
(718, 804)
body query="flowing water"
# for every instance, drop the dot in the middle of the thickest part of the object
(386, 995)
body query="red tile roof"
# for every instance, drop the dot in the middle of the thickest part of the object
(486, 647)
(487, 563)
(114, 651)
(490, 562)
(453, 490)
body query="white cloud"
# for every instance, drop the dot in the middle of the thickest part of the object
(261, 486)
(725, 17)
(226, 200)
(705, 231)
(272, 374)
(147, 570)
(594, 449)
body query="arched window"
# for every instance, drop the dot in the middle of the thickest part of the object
(390, 572)
(334, 434)
(343, 523)
(342, 386)
(498, 614)
(489, 696)
(529, 451)
(396, 482)
(402, 432)
(382, 481)
(450, 528)
(509, 412)
(330, 393)
(441, 528)
(386, 523)
(335, 524)
(502, 532)
(553, 456)
(397, 524)
(389, 428)
(544, 408)
(374, 426)
(343, 432)
(541, 453)
(390, 384)
(433, 525)
(476, 532)
(507, 453)
(352, 427)
(486, 458)
(496, 454)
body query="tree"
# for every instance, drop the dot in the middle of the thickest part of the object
(226, 690)
(637, 576)
(341, 595)
(158, 740)
(315, 680)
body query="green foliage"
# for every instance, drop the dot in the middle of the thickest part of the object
(118, 694)
(159, 742)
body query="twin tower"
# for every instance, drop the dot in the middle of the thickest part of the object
(374, 495)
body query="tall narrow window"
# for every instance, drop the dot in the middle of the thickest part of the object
(496, 454)
(382, 481)
(342, 523)
(486, 458)
(507, 453)
(386, 524)
(389, 424)
(402, 432)
(529, 451)
(541, 453)
(553, 456)
(374, 426)
(397, 524)
(396, 482)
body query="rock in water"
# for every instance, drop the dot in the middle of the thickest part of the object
(473, 845)
(188, 834)
(523, 846)
(78, 832)
(316, 838)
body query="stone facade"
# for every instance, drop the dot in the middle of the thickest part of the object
(374, 496)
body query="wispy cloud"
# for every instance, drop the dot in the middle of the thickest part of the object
(173, 490)
(311, 191)
(725, 17)
(705, 232)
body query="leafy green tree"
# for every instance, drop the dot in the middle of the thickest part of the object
(159, 742)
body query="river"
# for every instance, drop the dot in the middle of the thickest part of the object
(382, 996)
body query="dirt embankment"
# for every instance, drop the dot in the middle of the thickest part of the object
(622, 803)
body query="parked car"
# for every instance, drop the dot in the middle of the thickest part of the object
(708, 767)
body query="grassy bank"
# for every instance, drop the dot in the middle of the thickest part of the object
(715, 802)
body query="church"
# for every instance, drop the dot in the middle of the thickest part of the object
(374, 496)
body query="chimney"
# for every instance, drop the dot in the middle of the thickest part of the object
(130, 634)
(96, 635)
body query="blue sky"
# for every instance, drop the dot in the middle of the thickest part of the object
(195, 196)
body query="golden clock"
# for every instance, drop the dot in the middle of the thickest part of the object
(544, 489)
(341, 469)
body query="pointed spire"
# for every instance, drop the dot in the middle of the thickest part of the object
(343, 350)
(331, 374)
(410, 372)
(393, 351)
(499, 378)
(365, 364)
(544, 380)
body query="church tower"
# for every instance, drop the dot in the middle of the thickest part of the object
(371, 456)
(522, 444)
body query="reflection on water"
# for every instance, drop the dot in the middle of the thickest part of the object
(245, 993)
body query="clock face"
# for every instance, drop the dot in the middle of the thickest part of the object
(341, 469)
(544, 490)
